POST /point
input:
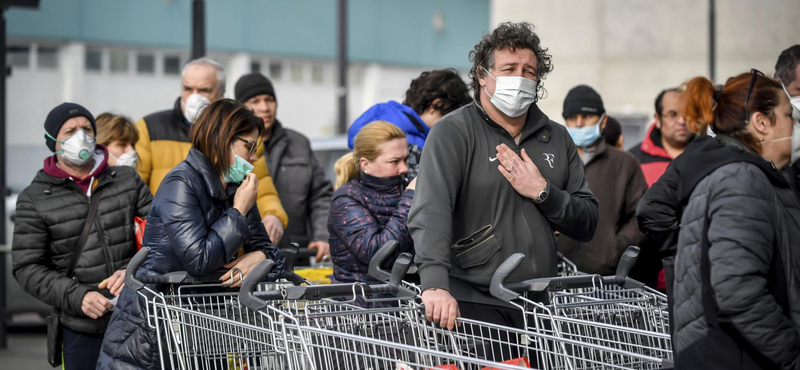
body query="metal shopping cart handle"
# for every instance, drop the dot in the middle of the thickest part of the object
(258, 300)
(510, 291)
(174, 278)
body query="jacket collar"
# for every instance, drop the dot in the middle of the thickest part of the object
(177, 113)
(652, 143)
(278, 134)
(599, 150)
(392, 184)
(203, 166)
(535, 120)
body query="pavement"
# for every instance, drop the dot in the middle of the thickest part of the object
(27, 349)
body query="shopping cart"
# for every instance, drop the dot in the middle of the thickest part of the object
(329, 335)
(612, 311)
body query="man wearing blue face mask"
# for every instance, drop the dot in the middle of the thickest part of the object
(497, 177)
(614, 176)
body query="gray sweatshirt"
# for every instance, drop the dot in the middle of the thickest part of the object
(466, 218)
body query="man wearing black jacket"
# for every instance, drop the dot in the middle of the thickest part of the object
(497, 177)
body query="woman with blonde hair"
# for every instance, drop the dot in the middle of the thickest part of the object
(370, 205)
(119, 135)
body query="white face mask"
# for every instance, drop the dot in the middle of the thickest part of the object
(77, 149)
(795, 102)
(126, 159)
(512, 94)
(193, 106)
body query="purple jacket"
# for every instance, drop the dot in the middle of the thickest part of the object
(366, 213)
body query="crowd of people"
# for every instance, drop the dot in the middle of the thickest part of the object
(460, 175)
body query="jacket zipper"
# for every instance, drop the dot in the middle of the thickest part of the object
(475, 246)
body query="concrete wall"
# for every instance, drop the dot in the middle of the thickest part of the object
(629, 50)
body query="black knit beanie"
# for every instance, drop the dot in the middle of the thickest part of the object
(253, 84)
(583, 100)
(60, 114)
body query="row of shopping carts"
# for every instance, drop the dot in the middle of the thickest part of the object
(588, 322)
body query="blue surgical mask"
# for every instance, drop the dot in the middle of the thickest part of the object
(239, 170)
(587, 135)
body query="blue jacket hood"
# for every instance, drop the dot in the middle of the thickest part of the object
(393, 112)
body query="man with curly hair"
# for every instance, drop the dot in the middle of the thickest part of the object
(497, 177)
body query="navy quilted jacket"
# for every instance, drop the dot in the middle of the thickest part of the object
(366, 213)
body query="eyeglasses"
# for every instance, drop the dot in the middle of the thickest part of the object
(754, 73)
(252, 146)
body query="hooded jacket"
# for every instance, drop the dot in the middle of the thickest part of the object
(466, 218)
(652, 155)
(51, 213)
(737, 282)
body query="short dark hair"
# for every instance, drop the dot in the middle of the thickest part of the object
(442, 84)
(220, 123)
(509, 35)
(612, 131)
(786, 66)
(660, 97)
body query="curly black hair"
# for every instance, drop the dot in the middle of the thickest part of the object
(509, 35)
(443, 84)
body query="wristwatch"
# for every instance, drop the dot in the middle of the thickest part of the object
(543, 194)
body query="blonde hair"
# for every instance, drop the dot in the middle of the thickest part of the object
(111, 127)
(365, 146)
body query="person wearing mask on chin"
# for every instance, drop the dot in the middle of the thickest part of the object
(164, 136)
(497, 177)
(204, 212)
(74, 234)
(614, 176)
(119, 135)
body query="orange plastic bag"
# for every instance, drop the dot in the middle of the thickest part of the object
(138, 231)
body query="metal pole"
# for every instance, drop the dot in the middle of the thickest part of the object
(3, 254)
(342, 50)
(712, 41)
(198, 29)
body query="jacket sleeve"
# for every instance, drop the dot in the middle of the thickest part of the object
(201, 249)
(259, 241)
(144, 197)
(145, 162)
(741, 236)
(659, 211)
(572, 211)
(32, 266)
(629, 233)
(268, 201)
(441, 173)
(319, 201)
(360, 232)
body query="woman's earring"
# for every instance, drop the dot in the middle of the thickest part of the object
(367, 172)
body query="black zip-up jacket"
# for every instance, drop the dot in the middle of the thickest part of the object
(466, 218)
(51, 213)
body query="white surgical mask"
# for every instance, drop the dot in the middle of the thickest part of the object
(126, 159)
(512, 94)
(795, 102)
(193, 106)
(76, 149)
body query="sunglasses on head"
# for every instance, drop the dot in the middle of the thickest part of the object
(753, 74)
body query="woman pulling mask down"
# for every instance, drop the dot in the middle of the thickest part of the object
(203, 212)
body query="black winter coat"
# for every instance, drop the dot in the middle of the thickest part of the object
(51, 213)
(192, 227)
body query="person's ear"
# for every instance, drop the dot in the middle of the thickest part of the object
(603, 123)
(434, 106)
(658, 120)
(363, 164)
(760, 123)
(620, 142)
(481, 75)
